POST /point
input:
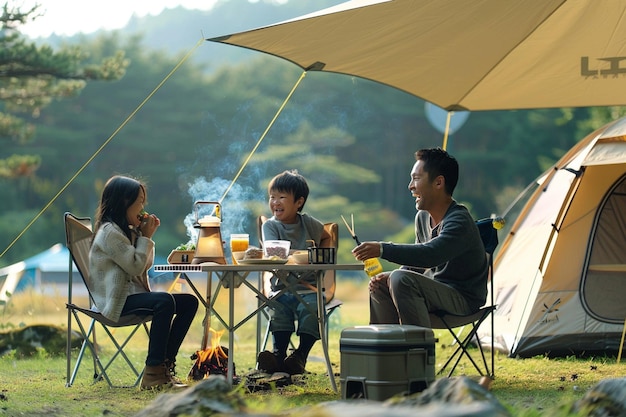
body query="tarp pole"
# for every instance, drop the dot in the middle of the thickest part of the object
(445, 133)
(621, 344)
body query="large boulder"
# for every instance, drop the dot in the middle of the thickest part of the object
(606, 399)
(25, 341)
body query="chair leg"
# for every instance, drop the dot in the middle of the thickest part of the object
(89, 342)
(100, 369)
(461, 350)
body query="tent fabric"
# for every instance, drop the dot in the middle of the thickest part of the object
(47, 267)
(561, 272)
(464, 55)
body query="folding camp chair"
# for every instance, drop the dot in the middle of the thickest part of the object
(444, 320)
(78, 234)
(331, 303)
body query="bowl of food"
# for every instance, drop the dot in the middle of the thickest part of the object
(183, 254)
(276, 249)
(239, 255)
(300, 256)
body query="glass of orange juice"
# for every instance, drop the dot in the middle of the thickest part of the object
(239, 243)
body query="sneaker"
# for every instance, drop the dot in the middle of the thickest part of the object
(267, 362)
(294, 364)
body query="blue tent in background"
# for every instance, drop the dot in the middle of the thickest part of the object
(47, 273)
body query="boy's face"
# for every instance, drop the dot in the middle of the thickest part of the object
(284, 206)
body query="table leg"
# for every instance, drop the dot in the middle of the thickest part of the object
(321, 314)
(207, 314)
(231, 331)
(259, 317)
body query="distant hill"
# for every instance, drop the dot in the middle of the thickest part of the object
(178, 30)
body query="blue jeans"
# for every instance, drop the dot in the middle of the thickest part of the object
(286, 309)
(172, 315)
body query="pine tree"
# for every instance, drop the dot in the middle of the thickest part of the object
(32, 77)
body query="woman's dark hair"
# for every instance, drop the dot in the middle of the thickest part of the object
(119, 193)
(439, 162)
(290, 182)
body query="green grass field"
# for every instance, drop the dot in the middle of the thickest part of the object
(35, 386)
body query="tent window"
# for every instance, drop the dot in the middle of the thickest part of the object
(604, 281)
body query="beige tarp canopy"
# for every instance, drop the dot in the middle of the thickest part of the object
(464, 55)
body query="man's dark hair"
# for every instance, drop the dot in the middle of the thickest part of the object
(290, 182)
(439, 162)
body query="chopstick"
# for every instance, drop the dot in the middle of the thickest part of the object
(351, 230)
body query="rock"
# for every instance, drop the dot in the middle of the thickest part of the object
(26, 340)
(606, 399)
(458, 396)
(369, 408)
(446, 397)
(210, 396)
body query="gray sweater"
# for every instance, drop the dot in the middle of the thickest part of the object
(451, 253)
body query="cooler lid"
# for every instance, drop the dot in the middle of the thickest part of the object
(387, 334)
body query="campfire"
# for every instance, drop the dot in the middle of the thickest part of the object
(212, 360)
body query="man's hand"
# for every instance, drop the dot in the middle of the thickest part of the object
(378, 281)
(366, 250)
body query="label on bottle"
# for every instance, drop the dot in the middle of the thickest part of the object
(372, 266)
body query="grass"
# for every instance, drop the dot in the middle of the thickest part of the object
(35, 386)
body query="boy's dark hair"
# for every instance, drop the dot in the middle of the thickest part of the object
(290, 182)
(439, 162)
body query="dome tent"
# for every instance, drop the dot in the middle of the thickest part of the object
(560, 274)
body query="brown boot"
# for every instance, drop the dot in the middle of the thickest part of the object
(158, 377)
(171, 369)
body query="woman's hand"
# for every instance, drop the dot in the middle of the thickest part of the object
(149, 224)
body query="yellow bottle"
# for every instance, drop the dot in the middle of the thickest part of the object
(498, 222)
(372, 266)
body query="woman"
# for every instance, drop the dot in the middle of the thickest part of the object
(121, 253)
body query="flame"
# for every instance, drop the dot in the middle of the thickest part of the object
(215, 350)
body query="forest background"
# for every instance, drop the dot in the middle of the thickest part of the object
(193, 128)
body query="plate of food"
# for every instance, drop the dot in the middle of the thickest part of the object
(263, 261)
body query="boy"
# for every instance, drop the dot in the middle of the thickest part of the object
(288, 193)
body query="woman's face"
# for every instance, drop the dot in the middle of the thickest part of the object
(132, 213)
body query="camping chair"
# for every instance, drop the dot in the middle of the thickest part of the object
(444, 320)
(329, 281)
(78, 234)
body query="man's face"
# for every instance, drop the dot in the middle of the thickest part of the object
(421, 186)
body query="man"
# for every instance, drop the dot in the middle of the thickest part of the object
(446, 268)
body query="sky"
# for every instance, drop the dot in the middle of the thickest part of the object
(68, 17)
